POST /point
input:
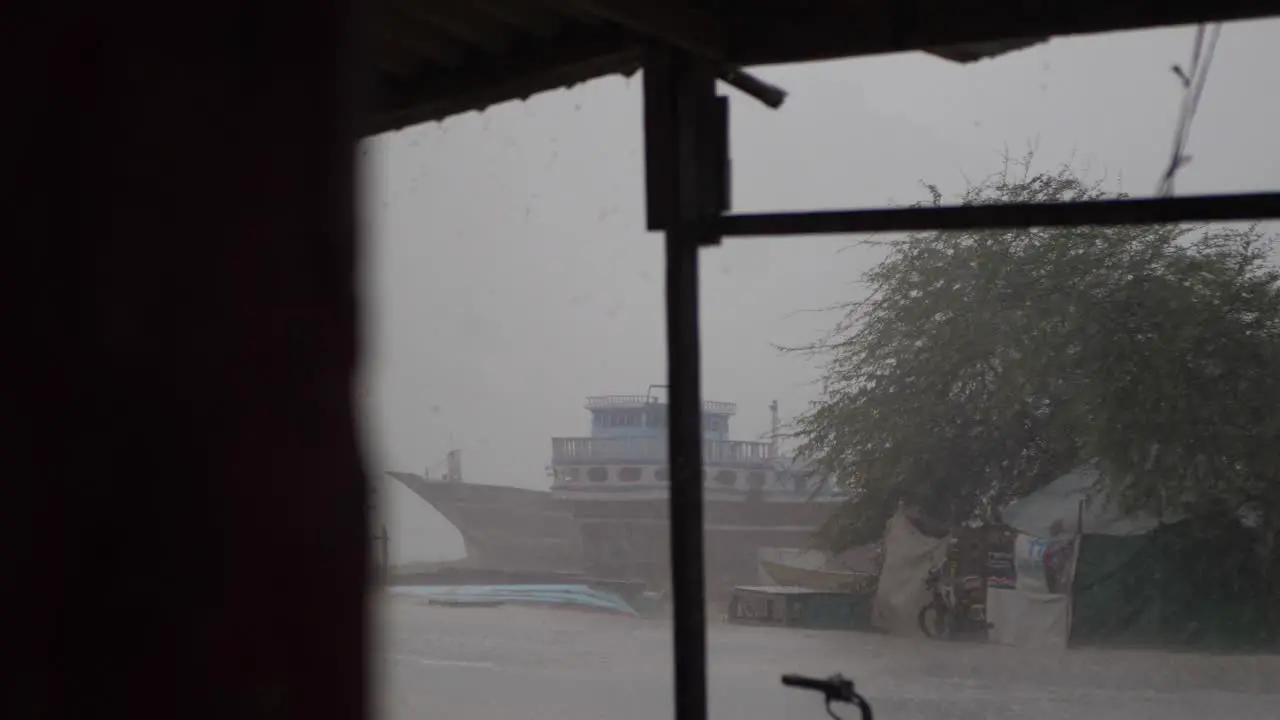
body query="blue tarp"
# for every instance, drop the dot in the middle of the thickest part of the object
(571, 595)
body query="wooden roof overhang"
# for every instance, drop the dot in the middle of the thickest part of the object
(436, 58)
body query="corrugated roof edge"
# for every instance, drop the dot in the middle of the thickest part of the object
(973, 52)
(480, 96)
(959, 31)
(624, 62)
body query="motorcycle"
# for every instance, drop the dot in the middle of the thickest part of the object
(950, 614)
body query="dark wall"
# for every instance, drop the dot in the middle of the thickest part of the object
(181, 504)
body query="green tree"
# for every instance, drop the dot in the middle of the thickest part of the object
(984, 364)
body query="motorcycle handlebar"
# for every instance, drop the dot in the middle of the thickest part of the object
(836, 688)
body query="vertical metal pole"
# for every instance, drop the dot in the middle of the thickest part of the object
(773, 429)
(385, 572)
(679, 97)
(685, 442)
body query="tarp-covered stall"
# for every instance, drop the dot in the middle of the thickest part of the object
(1085, 573)
(1193, 583)
(1032, 605)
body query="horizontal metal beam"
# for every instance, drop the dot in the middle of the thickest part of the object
(1228, 208)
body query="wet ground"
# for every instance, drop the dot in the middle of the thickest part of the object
(535, 664)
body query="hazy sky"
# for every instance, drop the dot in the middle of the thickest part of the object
(508, 274)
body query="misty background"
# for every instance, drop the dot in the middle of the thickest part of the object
(507, 273)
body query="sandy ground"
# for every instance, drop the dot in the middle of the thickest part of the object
(535, 664)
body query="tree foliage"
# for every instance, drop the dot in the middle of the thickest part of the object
(984, 364)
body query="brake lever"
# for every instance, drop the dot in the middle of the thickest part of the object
(857, 701)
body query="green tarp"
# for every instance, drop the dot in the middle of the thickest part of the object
(1181, 585)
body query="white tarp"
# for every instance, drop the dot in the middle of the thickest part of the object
(908, 555)
(1036, 612)
(1057, 510)
(1031, 620)
(1043, 565)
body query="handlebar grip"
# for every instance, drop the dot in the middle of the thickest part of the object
(809, 683)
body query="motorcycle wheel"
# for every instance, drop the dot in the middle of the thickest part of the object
(940, 627)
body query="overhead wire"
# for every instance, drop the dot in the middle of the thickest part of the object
(1193, 81)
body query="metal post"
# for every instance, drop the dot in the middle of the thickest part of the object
(685, 442)
(773, 429)
(384, 572)
(685, 162)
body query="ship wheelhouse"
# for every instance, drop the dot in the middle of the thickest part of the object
(626, 455)
(617, 483)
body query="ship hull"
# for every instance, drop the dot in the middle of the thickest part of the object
(605, 536)
(505, 528)
(632, 538)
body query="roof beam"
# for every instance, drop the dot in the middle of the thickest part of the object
(851, 29)
(672, 21)
(437, 93)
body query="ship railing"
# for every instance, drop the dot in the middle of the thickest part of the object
(605, 401)
(619, 450)
(598, 402)
(720, 408)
